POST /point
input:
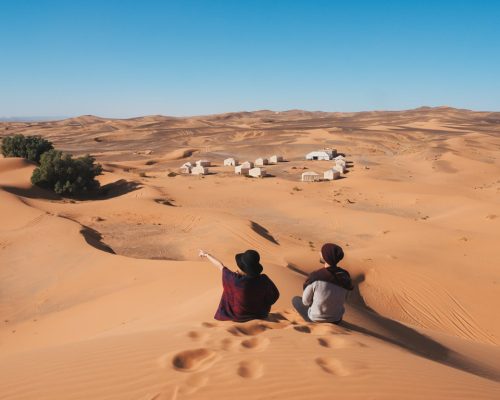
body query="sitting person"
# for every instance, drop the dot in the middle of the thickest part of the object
(325, 290)
(247, 294)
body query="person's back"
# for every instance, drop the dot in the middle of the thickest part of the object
(325, 289)
(325, 301)
(247, 294)
(245, 297)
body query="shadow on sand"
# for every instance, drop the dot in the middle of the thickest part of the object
(108, 191)
(33, 192)
(115, 189)
(94, 238)
(260, 230)
(395, 333)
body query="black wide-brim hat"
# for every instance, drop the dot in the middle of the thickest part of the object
(249, 262)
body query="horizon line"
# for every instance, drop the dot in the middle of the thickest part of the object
(52, 118)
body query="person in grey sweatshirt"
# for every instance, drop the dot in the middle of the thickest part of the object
(325, 290)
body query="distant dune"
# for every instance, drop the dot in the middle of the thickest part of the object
(106, 298)
(30, 118)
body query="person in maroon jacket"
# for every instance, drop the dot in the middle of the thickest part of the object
(247, 294)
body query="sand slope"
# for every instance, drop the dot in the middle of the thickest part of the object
(104, 298)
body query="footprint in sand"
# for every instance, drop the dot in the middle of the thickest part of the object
(209, 324)
(252, 369)
(197, 336)
(256, 327)
(248, 329)
(332, 366)
(302, 328)
(320, 329)
(327, 329)
(255, 343)
(339, 342)
(229, 344)
(193, 360)
(333, 342)
(292, 316)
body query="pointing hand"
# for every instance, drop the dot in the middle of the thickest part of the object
(202, 253)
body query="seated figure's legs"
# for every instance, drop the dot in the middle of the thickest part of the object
(300, 307)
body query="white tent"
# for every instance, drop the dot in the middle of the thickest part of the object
(331, 151)
(203, 163)
(340, 168)
(257, 172)
(310, 176)
(186, 168)
(275, 159)
(230, 162)
(199, 170)
(241, 170)
(247, 164)
(261, 161)
(319, 155)
(331, 175)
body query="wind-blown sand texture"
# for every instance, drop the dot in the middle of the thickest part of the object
(104, 297)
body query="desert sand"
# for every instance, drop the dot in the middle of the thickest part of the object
(105, 298)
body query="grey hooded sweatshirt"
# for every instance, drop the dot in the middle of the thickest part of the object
(325, 301)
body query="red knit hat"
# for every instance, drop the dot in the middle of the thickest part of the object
(332, 253)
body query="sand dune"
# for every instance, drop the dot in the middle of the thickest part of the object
(104, 298)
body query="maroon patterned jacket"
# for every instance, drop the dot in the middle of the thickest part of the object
(245, 298)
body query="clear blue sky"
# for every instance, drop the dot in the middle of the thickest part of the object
(128, 58)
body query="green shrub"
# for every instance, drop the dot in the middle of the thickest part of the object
(29, 147)
(64, 174)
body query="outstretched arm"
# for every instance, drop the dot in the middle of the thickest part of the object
(212, 259)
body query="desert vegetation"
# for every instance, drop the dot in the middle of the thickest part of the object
(28, 147)
(66, 175)
(57, 171)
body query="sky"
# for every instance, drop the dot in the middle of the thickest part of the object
(129, 58)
